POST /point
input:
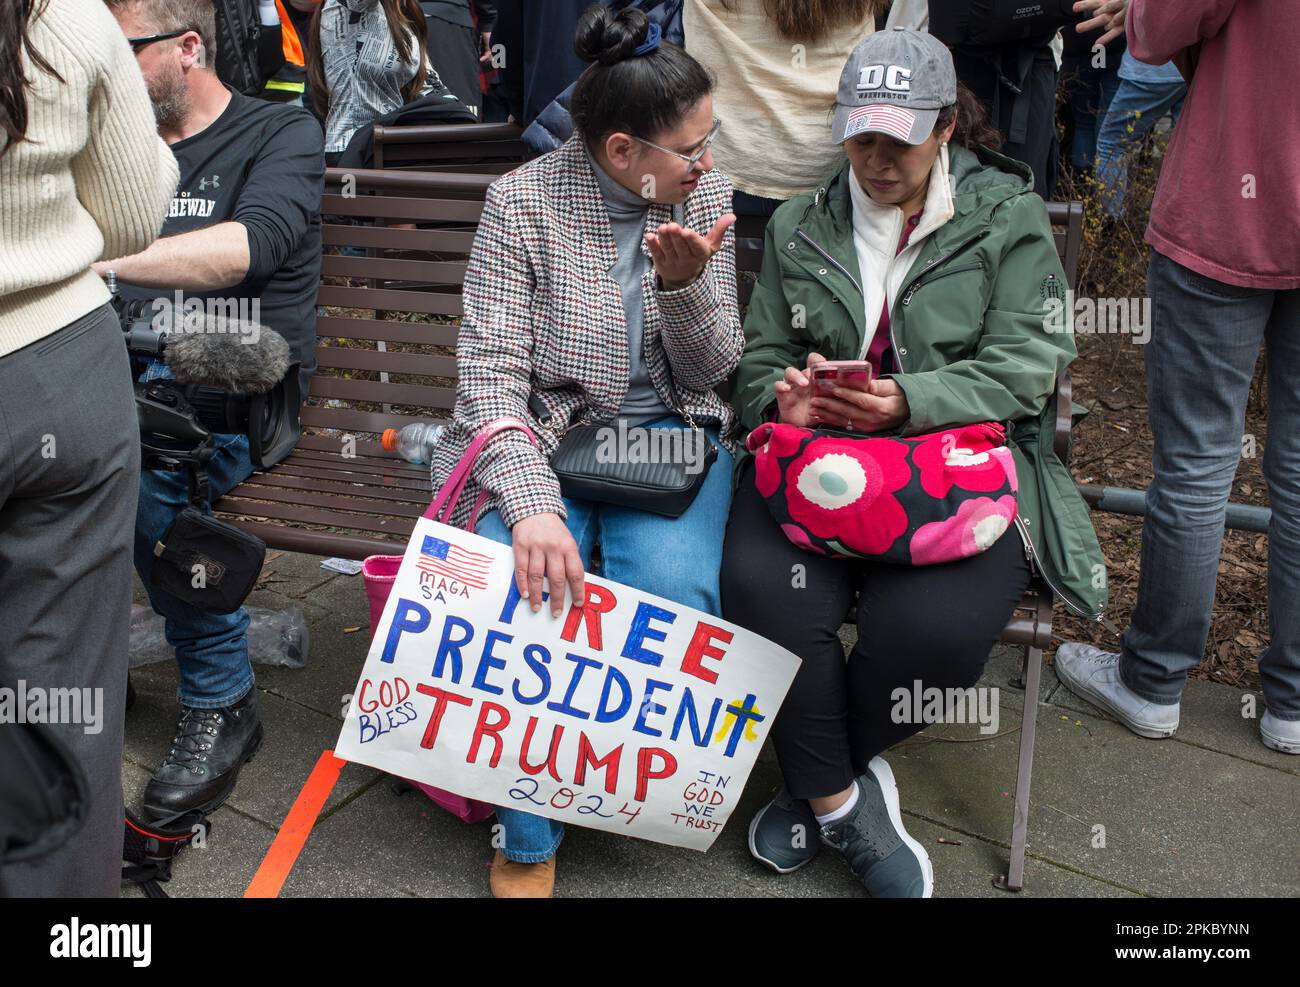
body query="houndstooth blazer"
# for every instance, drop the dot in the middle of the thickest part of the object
(543, 317)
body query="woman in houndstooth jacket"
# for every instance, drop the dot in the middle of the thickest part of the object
(601, 288)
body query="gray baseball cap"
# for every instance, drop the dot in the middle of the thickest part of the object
(894, 83)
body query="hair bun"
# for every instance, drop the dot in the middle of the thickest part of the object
(607, 39)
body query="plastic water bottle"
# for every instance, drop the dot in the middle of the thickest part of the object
(414, 443)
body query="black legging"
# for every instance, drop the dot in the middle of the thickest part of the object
(934, 623)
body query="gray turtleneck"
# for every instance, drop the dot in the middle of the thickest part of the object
(627, 215)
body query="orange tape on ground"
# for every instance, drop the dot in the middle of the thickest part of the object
(297, 826)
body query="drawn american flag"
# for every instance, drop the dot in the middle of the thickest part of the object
(441, 558)
(893, 120)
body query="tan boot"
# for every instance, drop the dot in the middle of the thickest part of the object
(515, 880)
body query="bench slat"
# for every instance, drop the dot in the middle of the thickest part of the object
(359, 479)
(350, 501)
(351, 421)
(309, 541)
(444, 241)
(382, 392)
(422, 364)
(235, 503)
(391, 300)
(363, 469)
(326, 448)
(386, 330)
(403, 209)
(394, 269)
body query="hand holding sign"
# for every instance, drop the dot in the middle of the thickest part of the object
(544, 547)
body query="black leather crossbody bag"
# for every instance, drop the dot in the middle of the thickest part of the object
(659, 470)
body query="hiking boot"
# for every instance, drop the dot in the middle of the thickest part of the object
(202, 766)
(783, 834)
(1281, 735)
(511, 879)
(1093, 674)
(878, 849)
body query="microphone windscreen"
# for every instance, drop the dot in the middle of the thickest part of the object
(239, 356)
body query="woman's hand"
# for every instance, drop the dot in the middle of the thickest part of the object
(543, 546)
(882, 406)
(794, 394)
(1108, 14)
(679, 253)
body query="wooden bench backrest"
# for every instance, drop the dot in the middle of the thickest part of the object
(393, 370)
(481, 148)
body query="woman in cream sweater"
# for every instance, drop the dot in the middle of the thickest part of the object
(83, 175)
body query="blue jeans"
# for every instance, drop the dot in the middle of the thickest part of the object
(1205, 339)
(1089, 92)
(211, 648)
(1136, 108)
(676, 558)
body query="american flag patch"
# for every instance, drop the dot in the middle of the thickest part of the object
(442, 558)
(892, 120)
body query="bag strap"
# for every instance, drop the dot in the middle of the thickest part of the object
(450, 492)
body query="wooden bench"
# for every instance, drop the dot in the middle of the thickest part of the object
(339, 494)
(477, 148)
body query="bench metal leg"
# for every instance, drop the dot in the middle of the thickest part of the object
(1014, 879)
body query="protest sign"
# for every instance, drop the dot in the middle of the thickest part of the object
(631, 713)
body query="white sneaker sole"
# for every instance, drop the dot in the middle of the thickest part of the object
(1148, 730)
(1277, 743)
(879, 767)
(753, 849)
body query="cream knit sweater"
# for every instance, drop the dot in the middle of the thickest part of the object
(92, 179)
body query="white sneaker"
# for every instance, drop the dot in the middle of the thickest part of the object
(1281, 735)
(1093, 675)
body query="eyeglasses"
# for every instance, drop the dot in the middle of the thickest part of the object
(138, 44)
(692, 159)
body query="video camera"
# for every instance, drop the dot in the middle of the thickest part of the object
(231, 375)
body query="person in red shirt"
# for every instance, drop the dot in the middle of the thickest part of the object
(1224, 282)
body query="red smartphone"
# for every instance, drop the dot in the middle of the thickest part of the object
(842, 373)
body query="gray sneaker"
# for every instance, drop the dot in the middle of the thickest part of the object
(1093, 674)
(879, 850)
(783, 834)
(1281, 735)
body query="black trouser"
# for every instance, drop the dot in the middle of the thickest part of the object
(69, 480)
(933, 623)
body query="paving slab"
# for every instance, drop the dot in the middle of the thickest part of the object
(383, 844)
(1178, 819)
(1210, 717)
(269, 784)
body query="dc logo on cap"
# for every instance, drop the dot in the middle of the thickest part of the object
(895, 78)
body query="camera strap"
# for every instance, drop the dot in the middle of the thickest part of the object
(197, 467)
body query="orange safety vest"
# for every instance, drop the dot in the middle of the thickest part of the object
(289, 38)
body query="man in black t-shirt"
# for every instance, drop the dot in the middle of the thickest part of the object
(244, 229)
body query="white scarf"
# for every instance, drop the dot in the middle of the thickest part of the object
(876, 231)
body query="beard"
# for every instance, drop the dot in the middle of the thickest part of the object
(170, 98)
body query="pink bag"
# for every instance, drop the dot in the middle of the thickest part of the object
(380, 572)
(915, 500)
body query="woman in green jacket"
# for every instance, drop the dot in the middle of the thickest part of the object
(927, 254)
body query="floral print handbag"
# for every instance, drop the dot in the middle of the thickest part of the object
(914, 500)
